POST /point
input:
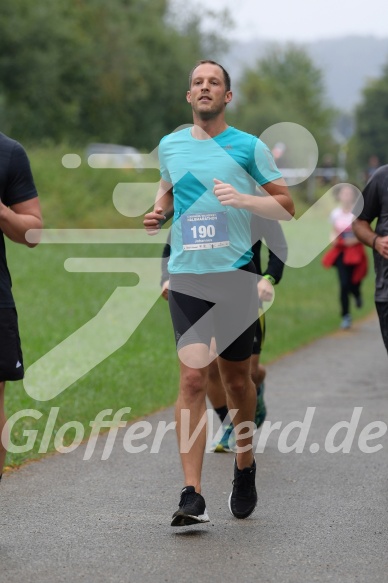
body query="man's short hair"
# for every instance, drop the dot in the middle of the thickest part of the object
(208, 61)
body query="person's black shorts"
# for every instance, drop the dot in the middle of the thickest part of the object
(382, 311)
(11, 358)
(232, 298)
(259, 337)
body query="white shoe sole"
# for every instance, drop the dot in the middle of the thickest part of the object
(189, 519)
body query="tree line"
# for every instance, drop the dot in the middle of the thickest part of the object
(74, 71)
(370, 139)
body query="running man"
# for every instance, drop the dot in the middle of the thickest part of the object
(19, 212)
(209, 177)
(272, 233)
(375, 196)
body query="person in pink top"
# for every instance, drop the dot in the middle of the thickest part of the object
(347, 254)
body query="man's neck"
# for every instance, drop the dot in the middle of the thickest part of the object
(204, 128)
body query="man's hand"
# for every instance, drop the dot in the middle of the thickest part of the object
(265, 290)
(152, 221)
(381, 246)
(227, 194)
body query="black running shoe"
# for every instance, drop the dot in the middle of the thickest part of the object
(192, 509)
(243, 498)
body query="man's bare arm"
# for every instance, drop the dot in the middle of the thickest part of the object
(163, 209)
(278, 205)
(366, 235)
(16, 220)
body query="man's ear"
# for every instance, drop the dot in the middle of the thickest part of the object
(228, 97)
(188, 97)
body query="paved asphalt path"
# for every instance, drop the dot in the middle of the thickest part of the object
(321, 516)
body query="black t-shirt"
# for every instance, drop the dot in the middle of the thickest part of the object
(376, 206)
(16, 185)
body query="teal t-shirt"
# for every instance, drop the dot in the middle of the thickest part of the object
(205, 235)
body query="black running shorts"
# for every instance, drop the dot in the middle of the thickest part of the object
(11, 358)
(223, 305)
(259, 338)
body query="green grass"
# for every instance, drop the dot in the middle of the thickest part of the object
(81, 197)
(143, 374)
(52, 304)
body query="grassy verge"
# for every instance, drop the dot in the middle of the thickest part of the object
(143, 373)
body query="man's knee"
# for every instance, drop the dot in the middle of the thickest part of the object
(193, 382)
(238, 385)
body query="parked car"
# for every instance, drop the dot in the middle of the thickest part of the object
(113, 156)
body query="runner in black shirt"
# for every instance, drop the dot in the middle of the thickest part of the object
(376, 207)
(19, 212)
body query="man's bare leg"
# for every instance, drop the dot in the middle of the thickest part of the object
(258, 371)
(215, 388)
(216, 391)
(241, 395)
(191, 407)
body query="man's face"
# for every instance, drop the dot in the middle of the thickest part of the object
(207, 94)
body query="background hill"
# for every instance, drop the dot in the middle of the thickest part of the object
(347, 63)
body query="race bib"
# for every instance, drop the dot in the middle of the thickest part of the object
(205, 231)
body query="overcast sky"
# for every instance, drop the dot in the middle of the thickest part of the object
(303, 20)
